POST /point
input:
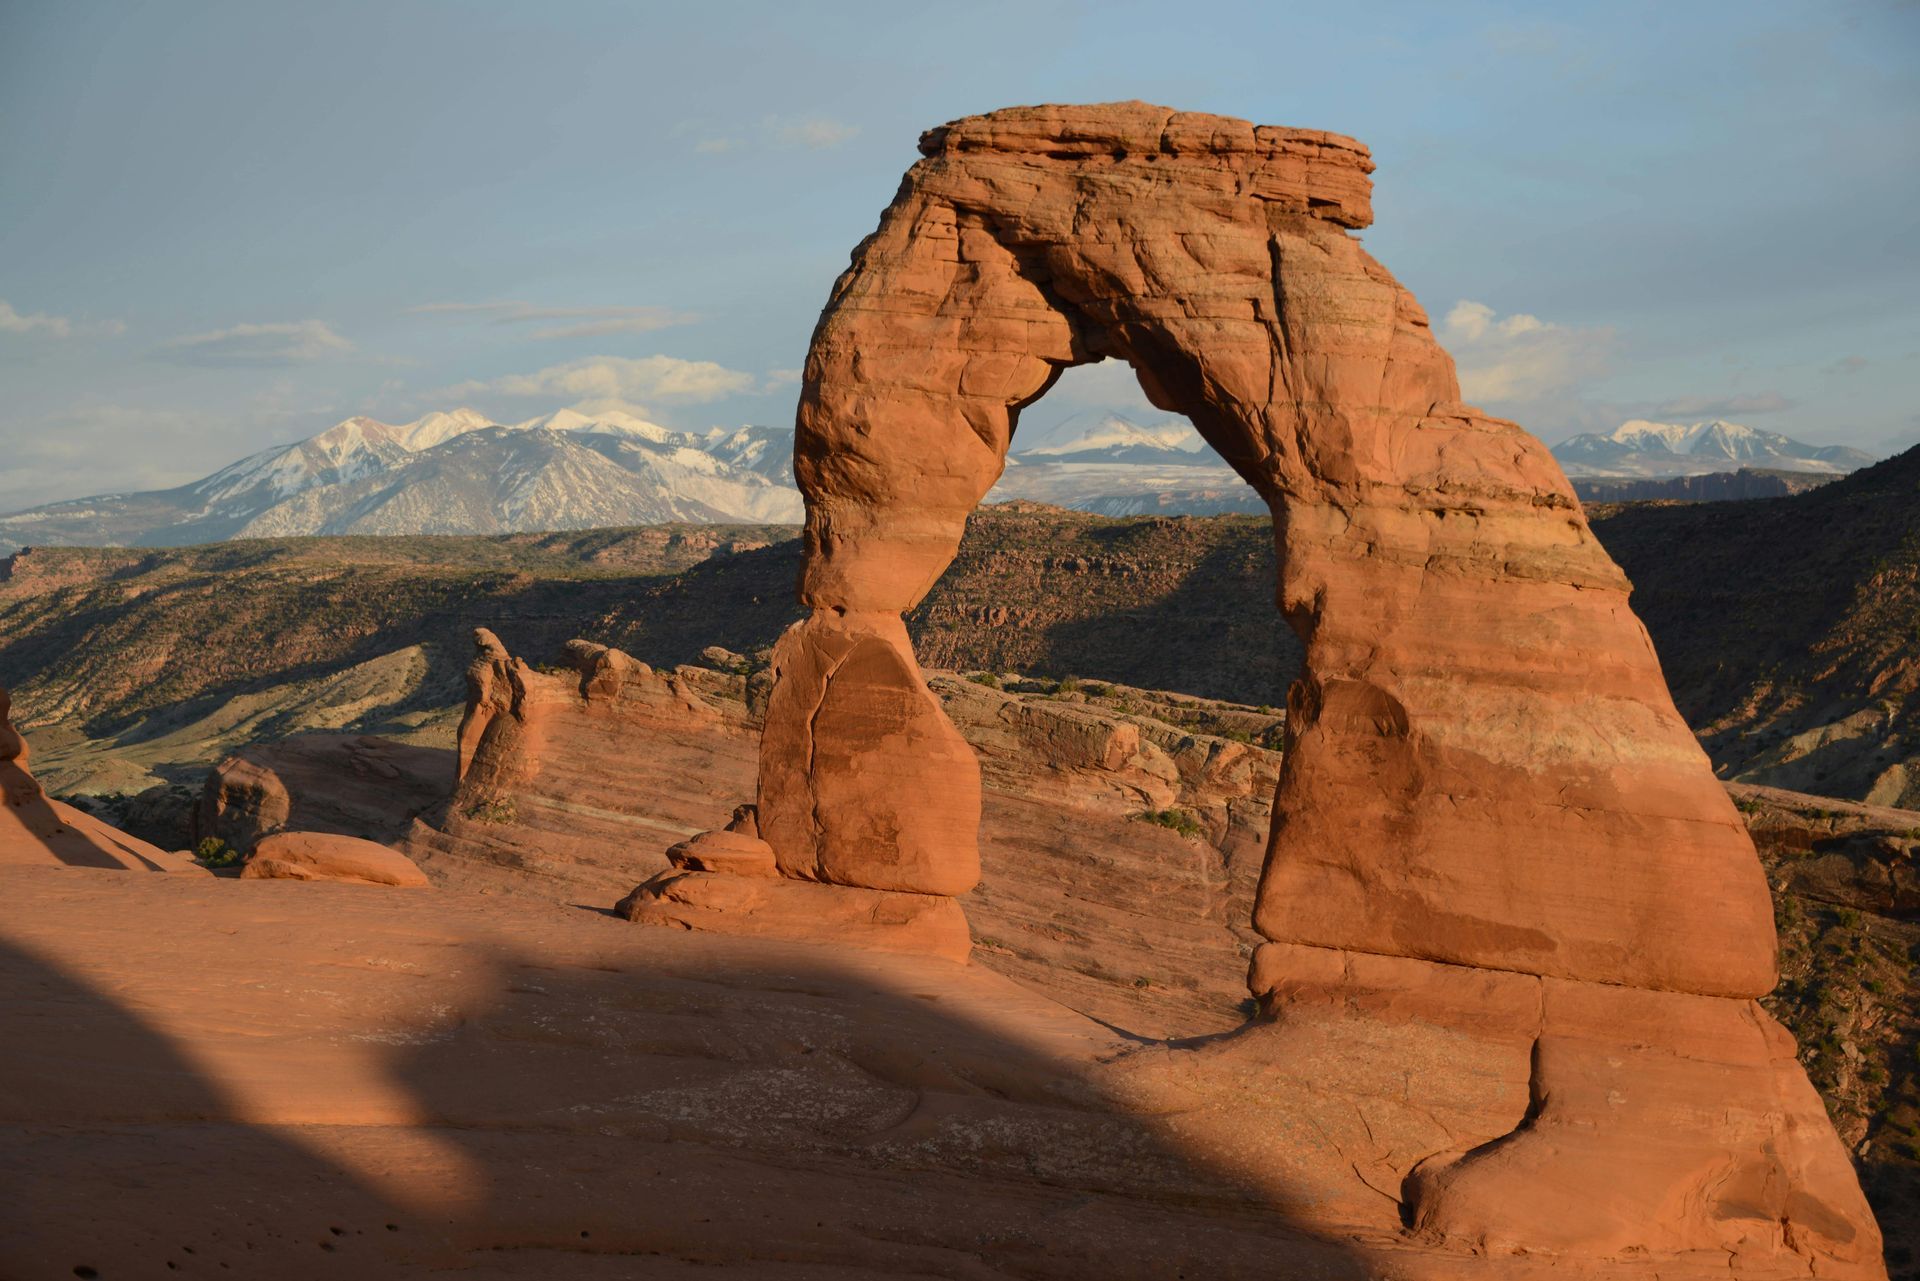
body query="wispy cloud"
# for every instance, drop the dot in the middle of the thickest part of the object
(579, 322)
(294, 342)
(39, 322)
(807, 133)
(1761, 402)
(1848, 365)
(815, 133)
(644, 380)
(92, 449)
(1518, 357)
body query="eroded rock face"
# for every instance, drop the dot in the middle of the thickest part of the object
(351, 784)
(573, 777)
(38, 831)
(584, 793)
(1485, 774)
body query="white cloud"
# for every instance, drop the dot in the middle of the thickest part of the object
(812, 132)
(297, 342)
(13, 322)
(718, 146)
(1520, 358)
(643, 380)
(585, 322)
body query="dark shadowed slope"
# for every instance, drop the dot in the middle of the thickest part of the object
(1790, 628)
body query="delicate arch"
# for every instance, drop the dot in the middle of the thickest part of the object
(1502, 877)
(1484, 766)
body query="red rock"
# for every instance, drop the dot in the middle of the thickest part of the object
(1487, 768)
(553, 791)
(325, 856)
(352, 784)
(1484, 770)
(495, 1075)
(724, 851)
(775, 907)
(1126, 920)
(38, 831)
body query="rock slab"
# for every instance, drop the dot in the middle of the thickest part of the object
(325, 856)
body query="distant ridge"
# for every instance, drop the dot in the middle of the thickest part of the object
(1708, 487)
(1650, 449)
(459, 472)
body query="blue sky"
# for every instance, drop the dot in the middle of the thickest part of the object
(224, 226)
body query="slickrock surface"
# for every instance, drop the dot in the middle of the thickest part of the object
(36, 830)
(333, 1081)
(1146, 930)
(324, 856)
(1489, 818)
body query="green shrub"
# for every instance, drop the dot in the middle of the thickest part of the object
(985, 678)
(214, 852)
(1174, 820)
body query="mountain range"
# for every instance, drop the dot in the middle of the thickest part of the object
(460, 472)
(1648, 449)
(1103, 463)
(448, 473)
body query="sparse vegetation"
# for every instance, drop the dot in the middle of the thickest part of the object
(1174, 820)
(498, 809)
(214, 852)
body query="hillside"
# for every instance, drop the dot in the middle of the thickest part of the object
(1705, 487)
(169, 657)
(1790, 628)
(1787, 627)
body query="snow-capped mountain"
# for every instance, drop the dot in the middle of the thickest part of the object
(1641, 448)
(1110, 438)
(460, 472)
(1117, 467)
(456, 472)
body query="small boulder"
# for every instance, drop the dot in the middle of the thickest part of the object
(323, 856)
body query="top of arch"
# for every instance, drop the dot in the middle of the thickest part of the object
(1323, 175)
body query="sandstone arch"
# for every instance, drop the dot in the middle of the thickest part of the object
(1487, 768)
(1489, 811)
